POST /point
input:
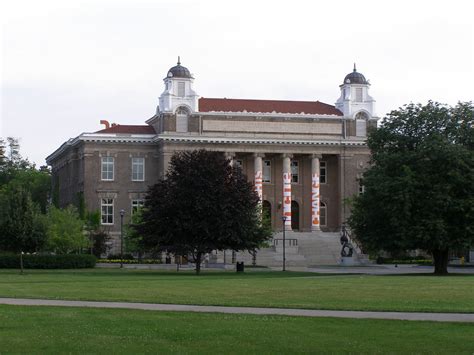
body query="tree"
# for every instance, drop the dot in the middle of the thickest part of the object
(419, 190)
(202, 204)
(22, 228)
(65, 230)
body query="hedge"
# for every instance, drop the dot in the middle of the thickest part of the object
(34, 261)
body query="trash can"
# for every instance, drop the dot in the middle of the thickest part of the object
(240, 266)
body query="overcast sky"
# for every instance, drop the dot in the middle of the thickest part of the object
(66, 65)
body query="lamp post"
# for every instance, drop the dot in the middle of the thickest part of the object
(122, 213)
(284, 218)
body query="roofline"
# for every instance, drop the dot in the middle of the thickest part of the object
(100, 137)
(218, 140)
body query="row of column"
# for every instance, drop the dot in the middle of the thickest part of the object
(315, 188)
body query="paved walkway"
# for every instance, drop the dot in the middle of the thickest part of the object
(437, 317)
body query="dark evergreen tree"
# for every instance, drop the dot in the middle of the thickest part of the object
(202, 204)
(419, 190)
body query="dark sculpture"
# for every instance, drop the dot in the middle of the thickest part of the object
(347, 247)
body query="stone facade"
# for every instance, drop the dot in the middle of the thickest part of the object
(319, 149)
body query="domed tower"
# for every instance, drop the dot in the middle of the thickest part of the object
(179, 91)
(355, 102)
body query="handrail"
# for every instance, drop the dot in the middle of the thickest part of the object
(288, 241)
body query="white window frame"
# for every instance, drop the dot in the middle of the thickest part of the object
(107, 168)
(295, 171)
(107, 211)
(267, 171)
(323, 172)
(137, 163)
(359, 94)
(323, 214)
(137, 204)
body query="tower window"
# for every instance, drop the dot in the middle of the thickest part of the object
(359, 95)
(182, 120)
(181, 89)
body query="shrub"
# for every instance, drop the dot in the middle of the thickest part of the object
(37, 261)
(126, 256)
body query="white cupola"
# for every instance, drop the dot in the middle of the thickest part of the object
(355, 99)
(179, 91)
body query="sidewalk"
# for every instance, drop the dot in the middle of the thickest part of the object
(437, 317)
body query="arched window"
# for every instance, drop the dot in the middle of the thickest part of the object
(361, 124)
(322, 214)
(182, 115)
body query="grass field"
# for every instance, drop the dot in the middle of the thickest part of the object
(259, 289)
(75, 330)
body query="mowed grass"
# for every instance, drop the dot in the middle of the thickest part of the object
(40, 330)
(424, 293)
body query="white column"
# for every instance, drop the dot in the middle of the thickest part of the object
(315, 193)
(258, 167)
(287, 191)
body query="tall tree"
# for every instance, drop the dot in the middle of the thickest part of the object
(419, 190)
(202, 204)
(22, 228)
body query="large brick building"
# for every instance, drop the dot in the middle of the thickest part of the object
(305, 157)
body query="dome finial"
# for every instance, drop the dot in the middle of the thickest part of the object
(179, 60)
(355, 69)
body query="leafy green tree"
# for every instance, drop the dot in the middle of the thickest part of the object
(202, 204)
(419, 190)
(22, 228)
(65, 231)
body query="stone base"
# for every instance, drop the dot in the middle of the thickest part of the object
(348, 261)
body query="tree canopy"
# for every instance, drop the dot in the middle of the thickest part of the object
(419, 189)
(202, 204)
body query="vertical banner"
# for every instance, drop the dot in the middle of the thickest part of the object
(259, 184)
(287, 199)
(315, 201)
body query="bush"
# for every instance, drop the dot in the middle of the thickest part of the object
(415, 260)
(126, 256)
(36, 261)
(129, 261)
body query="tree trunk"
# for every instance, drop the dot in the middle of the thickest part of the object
(440, 258)
(198, 262)
(21, 262)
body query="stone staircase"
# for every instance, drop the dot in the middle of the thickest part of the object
(302, 249)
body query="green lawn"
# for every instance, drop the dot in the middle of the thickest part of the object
(259, 289)
(74, 330)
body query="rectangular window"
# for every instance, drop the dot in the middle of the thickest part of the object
(181, 92)
(138, 169)
(361, 128)
(267, 171)
(107, 210)
(361, 187)
(107, 168)
(137, 205)
(294, 171)
(322, 172)
(358, 94)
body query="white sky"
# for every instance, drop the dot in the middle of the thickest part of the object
(68, 64)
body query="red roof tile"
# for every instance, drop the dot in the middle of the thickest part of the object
(129, 129)
(240, 105)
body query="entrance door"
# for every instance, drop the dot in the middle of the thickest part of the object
(295, 216)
